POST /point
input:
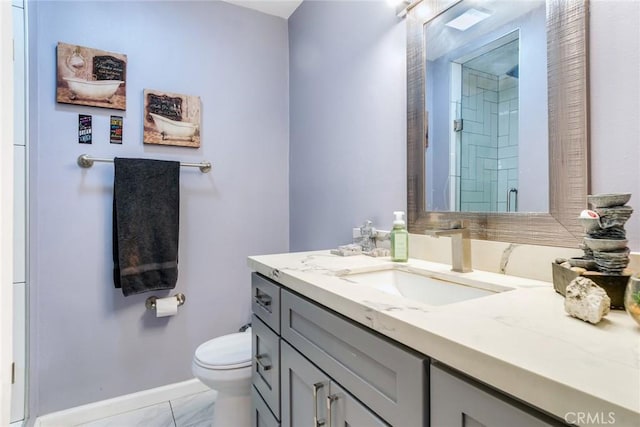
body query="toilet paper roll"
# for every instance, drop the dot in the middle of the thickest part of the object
(166, 306)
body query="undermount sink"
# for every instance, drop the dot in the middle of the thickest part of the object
(422, 286)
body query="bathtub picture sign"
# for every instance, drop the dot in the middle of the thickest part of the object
(93, 77)
(171, 119)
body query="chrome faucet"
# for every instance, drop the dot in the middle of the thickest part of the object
(460, 247)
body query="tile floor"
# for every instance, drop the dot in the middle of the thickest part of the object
(195, 410)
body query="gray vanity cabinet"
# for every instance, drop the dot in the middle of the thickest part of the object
(388, 378)
(311, 398)
(312, 363)
(457, 401)
(314, 367)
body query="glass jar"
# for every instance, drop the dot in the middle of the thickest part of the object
(632, 298)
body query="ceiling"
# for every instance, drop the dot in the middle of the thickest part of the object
(281, 8)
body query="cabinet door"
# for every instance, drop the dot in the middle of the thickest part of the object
(261, 416)
(265, 371)
(456, 402)
(304, 390)
(344, 410)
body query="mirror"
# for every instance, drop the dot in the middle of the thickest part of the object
(498, 118)
(486, 68)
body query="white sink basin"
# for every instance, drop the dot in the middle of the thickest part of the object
(422, 286)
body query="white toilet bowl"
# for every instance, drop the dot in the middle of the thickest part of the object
(224, 364)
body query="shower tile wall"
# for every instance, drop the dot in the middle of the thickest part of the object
(488, 150)
(479, 145)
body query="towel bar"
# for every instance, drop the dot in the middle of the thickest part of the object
(86, 161)
(150, 303)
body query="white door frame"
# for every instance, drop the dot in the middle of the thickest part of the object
(6, 208)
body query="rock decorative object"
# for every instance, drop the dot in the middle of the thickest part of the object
(378, 252)
(613, 284)
(586, 301)
(605, 244)
(347, 250)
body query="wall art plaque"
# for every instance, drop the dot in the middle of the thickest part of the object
(93, 77)
(171, 119)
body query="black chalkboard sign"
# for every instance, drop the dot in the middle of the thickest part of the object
(84, 129)
(166, 106)
(107, 67)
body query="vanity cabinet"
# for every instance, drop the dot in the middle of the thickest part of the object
(314, 365)
(311, 398)
(457, 401)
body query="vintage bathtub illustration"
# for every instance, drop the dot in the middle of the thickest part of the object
(170, 128)
(87, 76)
(171, 119)
(98, 90)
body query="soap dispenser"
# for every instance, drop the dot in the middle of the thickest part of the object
(399, 239)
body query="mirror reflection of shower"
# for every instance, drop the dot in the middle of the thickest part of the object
(506, 40)
(484, 132)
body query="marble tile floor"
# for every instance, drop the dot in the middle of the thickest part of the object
(195, 410)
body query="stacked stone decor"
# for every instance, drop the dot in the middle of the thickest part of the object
(606, 255)
(605, 242)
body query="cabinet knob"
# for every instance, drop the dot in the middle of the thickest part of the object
(263, 300)
(264, 362)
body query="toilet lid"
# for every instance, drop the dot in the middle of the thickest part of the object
(225, 352)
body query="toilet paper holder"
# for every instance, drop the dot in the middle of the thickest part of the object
(150, 303)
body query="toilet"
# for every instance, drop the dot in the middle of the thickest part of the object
(224, 364)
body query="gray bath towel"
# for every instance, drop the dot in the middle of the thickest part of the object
(146, 207)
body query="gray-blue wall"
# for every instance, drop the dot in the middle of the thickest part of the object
(348, 120)
(88, 342)
(347, 164)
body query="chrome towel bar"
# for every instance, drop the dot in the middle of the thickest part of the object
(86, 161)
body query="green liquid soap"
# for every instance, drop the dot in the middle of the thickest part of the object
(399, 239)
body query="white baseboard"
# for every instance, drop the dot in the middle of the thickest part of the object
(118, 405)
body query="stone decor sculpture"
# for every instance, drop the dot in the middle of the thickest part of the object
(605, 241)
(586, 300)
(606, 255)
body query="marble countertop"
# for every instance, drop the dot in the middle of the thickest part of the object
(521, 341)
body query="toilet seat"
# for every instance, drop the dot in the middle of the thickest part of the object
(231, 351)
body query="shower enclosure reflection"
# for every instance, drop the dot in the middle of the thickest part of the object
(487, 145)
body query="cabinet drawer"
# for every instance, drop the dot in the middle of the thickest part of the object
(391, 380)
(265, 301)
(265, 369)
(457, 402)
(261, 416)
